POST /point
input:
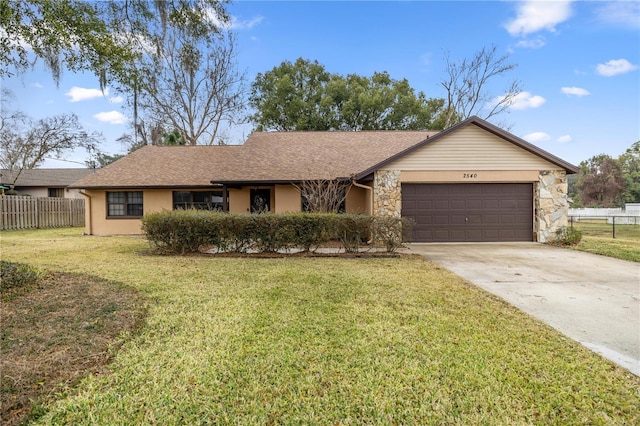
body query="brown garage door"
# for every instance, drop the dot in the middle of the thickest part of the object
(469, 212)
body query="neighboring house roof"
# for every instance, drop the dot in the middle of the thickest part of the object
(272, 157)
(50, 178)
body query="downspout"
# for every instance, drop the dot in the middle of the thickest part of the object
(368, 188)
(89, 210)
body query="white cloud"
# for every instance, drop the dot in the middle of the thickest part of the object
(535, 43)
(615, 67)
(115, 99)
(111, 117)
(536, 137)
(524, 100)
(622, 13)
(233, 23)
(77, 94)
(534, 16)
(246, 24)
(37, 85)
(575, 91)
(565, 139)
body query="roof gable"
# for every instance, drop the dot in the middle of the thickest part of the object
(494, 144)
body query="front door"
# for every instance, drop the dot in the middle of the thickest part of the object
(260, 200)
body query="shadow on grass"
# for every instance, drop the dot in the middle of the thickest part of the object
(56, 332)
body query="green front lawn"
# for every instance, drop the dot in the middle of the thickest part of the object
(322, 341)
(597, 238)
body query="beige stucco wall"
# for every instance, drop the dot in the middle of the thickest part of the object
(96, 222)
(287, 199)
(358, 200)
(466, 176)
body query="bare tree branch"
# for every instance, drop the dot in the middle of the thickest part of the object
(324, 195)
(466, 86)
(198, 93)
(25, 143)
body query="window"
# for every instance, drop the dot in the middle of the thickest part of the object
(124, 204)
(56, 192)
(201, 200)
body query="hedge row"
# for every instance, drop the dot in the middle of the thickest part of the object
(187, 231)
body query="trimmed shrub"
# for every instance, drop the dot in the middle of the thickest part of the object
(351, 230)
(311, 230)
(566, 237)
(187, 231)
(391, 231)
(182, 231)
(16, 275)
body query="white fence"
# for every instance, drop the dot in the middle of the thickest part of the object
(40, 212)
(629, 215)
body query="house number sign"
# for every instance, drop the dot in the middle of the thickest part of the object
(469, 176)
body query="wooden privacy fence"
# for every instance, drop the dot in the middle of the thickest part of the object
(40, 212)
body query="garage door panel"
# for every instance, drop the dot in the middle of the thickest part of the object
(441, 205)
(491, 219)
(441, 220)
(457, 219)
(469, 212)
(457, 204)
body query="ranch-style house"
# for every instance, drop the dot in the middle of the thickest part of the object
(471, 182)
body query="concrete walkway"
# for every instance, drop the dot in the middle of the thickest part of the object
(589, 298)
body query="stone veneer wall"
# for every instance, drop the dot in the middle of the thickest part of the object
(551, 203)
(387, 193)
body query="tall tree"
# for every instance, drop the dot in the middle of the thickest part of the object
(630, 163)
(292, 96)
(601, 182)
(198, 93)
(382, 103)
(304, 96)
(466, 85)
(104, 37)
(25, 143)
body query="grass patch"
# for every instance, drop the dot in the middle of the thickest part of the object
(323, 341)
(619, 248)
(597, 238)
(56, 331)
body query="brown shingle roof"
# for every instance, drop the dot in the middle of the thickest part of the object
(278, 157)
(265, 157)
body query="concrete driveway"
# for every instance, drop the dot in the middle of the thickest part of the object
(592, 299)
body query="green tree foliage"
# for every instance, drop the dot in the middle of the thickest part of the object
(304, 96)
(601, 182)
(102, 160)
(604, 181)
(106, 37)
(173, 138)
(630, 163)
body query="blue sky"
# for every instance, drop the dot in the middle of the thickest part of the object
(578, 62)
